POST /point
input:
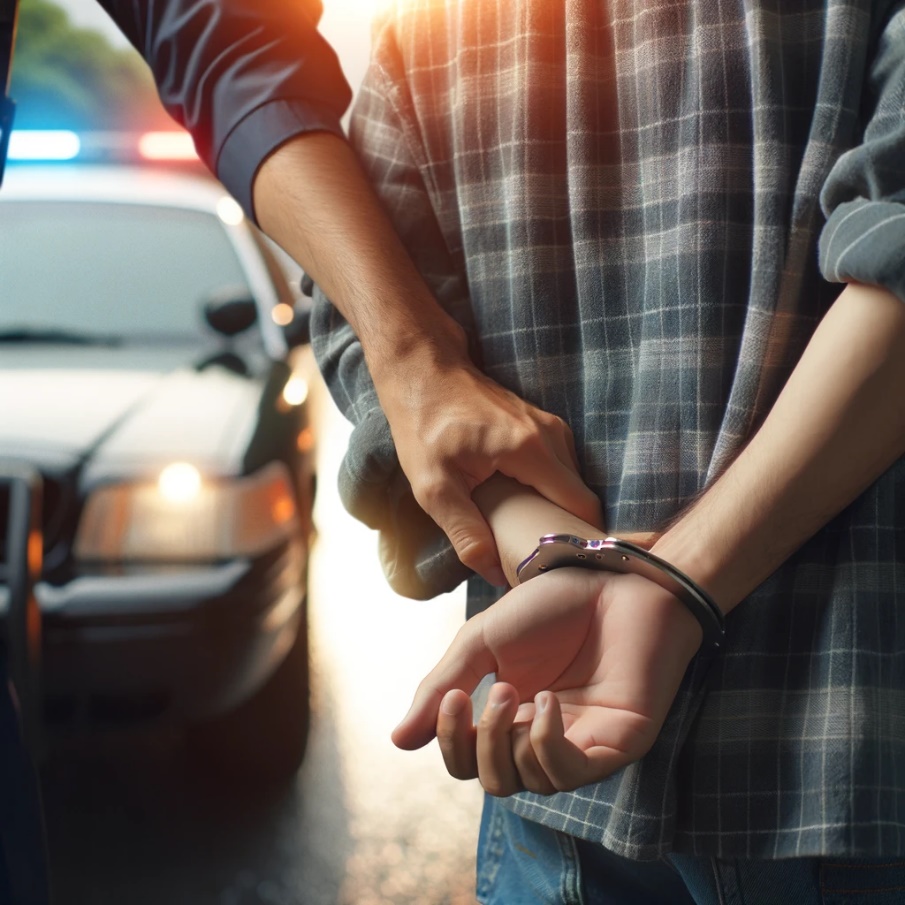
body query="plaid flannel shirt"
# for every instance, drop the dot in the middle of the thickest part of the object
(621, 202)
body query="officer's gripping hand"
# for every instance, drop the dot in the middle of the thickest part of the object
(453, 428)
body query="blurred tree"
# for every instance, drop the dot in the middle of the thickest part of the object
(73, 78)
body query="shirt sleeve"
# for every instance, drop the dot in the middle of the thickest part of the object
(864, 195)
(243, 76)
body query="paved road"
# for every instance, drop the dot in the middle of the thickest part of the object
(364, 824)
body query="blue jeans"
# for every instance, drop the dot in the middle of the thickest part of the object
(524, 863)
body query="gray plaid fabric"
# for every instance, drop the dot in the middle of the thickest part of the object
(621, 203)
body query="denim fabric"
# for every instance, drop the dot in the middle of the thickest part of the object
(862, 881)
(522, 862)
(609, 879)
(802, 881)
(735, 881)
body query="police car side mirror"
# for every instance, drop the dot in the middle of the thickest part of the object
(231, 311)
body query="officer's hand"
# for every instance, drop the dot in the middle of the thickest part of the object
(588, 664)
(453, 428)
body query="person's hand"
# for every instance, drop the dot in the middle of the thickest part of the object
(453, 428)
(588, 664)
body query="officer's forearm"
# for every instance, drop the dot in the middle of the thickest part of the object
(312, 197)
(838, 424)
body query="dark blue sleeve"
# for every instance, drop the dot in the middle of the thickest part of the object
(243, 76)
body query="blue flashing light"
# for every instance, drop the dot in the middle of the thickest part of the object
(50, 144)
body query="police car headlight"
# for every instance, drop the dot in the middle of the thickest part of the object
(185, 518)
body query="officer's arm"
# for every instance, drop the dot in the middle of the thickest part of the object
(262, 93)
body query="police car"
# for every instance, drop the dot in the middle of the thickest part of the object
(149, 376)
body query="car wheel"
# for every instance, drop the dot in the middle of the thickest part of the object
(263, 740)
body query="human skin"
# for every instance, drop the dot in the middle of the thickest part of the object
(590, 662)
(452, 426)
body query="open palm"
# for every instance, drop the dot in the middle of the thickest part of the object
(587, 666)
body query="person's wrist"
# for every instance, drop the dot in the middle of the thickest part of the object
(619, 555)
(672, 627)
(689, 552)
(408, 387)
(415, 349)
(680, 626)
(516, 513)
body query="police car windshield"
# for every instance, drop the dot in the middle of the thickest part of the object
(135, 271)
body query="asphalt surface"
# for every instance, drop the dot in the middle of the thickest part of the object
(131, 822)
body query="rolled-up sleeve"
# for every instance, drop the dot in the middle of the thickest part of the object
(243, 76)
(864, 196)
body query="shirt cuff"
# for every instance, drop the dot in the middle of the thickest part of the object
(259, 134)
(864, 242)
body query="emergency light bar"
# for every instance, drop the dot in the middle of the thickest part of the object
(43, 145)
(60, 145)
(167, 146)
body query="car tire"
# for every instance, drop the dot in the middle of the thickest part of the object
(262, 741)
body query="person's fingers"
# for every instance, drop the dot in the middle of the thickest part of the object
(564, 763)
(448, 502)
(552, 478)
(456, 735)
(562, 440)
(466, 661)
(496, 768)
(531, 773)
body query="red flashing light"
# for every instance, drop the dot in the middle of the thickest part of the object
(167, 146)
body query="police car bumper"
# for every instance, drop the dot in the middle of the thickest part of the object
(180, 645)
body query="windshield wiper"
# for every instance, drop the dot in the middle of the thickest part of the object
(62, 337)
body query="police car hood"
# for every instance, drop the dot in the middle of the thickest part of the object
(123, 407)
